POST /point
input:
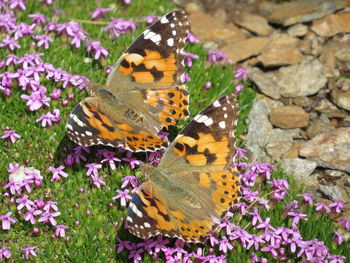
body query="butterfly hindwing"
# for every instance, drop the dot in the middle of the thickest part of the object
(195, 182)
(90, 124)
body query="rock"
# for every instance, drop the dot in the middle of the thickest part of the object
(209, 29)
(319, 125)
(335, 193)
(269, 102)
(301, 101)
(330, 110)
(266, 82)
(301, 80)
(341, 99)
(259, 130)
(332, 25)
(289, 117)
(345, 85)
(280, 143)
(293, 152)
(299, 169)
(253, 23)
(281, 50)
(329, 62)
(243, 49)
(343, 53)
(297, 30)
(299, 11)
(335, 173)
(312, 44)
(330, 149)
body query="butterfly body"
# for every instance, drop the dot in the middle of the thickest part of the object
(142, 95)
(195, 183)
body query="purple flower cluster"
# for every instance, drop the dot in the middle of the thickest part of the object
(259, 235)
(217, 56)
(119, 26)
(20, 187)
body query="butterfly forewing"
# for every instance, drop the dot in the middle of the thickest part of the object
(142, 94)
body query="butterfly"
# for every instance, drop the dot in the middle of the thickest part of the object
(195, 182)
(142, 95)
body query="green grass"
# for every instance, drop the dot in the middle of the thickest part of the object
(93, 239)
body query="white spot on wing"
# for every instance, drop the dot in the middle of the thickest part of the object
(164, 20)
(222, 124)
(88, 133)
(170, 42)
(216, 103)
(135, 209)
(76, 119)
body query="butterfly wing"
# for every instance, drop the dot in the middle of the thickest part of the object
(195, 182)
(142, 94)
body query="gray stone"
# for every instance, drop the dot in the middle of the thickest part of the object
(335, 193)
(299, 169)
(329, 149)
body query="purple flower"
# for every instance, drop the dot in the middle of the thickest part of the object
(271, 249)
(23, 29)
(13, 167)
(241, 74)
(132, 160)
(240, 153)
(38, 19)
(154, 157)
(265, 225)
(30, 215)
(337, 206)
(119, 27)
(225, 245)
(296, 217)
(97, 181)
(49, 217)
(56, 93)
(24, 202)
(9, 42)
(339, 238)
(57, 173)
(188, 58)
(191, 38)
(4, 252)
(217, 56)
(99, 12)
(279, 188)
(44, 40)
(36, 100)
(17, 4)
(47, 2)
(150, 19)
(336, 259)
(307, 198)
(185, 77)
(50, 205)
(123, 196)
(132, 180)
(207, 85)
(238, 88)
(96, 48)
(256, 217)
(322, 207)
(111, 159)
(47, 119)
(93, 169)
(7, 220)
(60, 230)
(10, 135)
(256, 241)
(135, 255)
(29, 251)
(124, 244)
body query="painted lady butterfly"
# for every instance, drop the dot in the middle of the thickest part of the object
(194, 183)
(142, 95)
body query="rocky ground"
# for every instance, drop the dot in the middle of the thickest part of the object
(298, 53)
